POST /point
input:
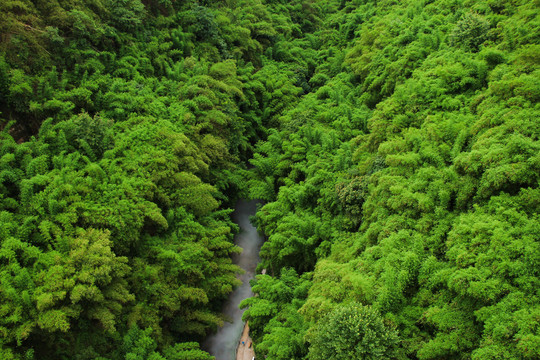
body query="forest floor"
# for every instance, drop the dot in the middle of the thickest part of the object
(245, 346)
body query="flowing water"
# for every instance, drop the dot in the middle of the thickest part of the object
(223, 344)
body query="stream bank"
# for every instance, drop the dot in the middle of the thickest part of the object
(223, 344)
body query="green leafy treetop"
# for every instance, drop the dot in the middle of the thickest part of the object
(353, 331)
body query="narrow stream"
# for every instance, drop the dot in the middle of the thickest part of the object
(223, 344)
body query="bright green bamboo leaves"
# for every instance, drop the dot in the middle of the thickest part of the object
(354, 331)
(415, 195)
(398, 161)
(89, 274)
(273, 316)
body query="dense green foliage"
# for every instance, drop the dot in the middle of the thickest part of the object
(124, 123)
(395, 144)
(406, 179)
(353, 332)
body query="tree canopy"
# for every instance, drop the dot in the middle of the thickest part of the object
(394, 144)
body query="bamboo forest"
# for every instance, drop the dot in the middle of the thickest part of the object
(389, 151)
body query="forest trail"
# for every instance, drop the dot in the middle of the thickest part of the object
(245, 346)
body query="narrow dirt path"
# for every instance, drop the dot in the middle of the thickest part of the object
(245, 347)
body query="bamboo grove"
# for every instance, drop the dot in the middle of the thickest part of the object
(394, 145)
